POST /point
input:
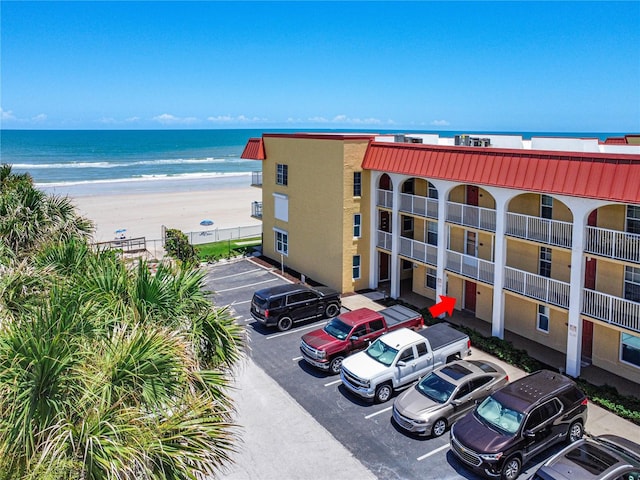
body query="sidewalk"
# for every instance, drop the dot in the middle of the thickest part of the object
(599, 421)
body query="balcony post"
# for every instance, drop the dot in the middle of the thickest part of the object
(576, 292)
(500, 255)
(395, 241)
(442, 245)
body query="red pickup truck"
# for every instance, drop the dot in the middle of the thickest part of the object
(350, 332)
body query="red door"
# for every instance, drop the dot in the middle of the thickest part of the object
(587, 339)
(470, 296)
(472, 195)
(383, 269)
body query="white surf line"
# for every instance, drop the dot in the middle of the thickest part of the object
(367, 417)
(335, 382)
(237, 274)
(296, 359)
(433, 452)
(276, 335)
(245, 286)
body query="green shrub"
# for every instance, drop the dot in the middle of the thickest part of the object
(177, 246)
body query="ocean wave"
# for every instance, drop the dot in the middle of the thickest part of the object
(169, 161)
(145, 178)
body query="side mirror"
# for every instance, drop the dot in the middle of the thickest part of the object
(401, 363)
(530, 434)
(354, 338)
(456, 402)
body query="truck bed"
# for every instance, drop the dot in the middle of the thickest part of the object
(440, 335)
(398, 314)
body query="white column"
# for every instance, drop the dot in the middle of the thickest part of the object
(373, 231)
(576, 290)
(442, 243)
(500, 258)
(395, 242)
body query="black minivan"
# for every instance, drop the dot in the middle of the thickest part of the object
(284, 305)
(519, 421)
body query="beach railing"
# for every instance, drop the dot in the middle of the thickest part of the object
(219, 234)
(127, 245)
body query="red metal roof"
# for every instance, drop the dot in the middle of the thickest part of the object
(254, 150)
(615, 141)
(603, 176)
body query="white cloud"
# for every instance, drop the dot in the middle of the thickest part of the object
(107, 120)
(344, 119)
(41, 117)
(440, 123)
(168, 119)
(236, 119)
(7, 115)
(132, 119)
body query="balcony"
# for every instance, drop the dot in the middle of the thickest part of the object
(256, 179)
(417, 205)
(537, 229)
(419, 251)
(534, 286)
(613, 244)
(256, 209)
(471, 216)
(384, 240)
(469, 266)
(610, 309)
(385, 198)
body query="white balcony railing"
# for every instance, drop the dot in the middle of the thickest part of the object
(256, 179)
(385, 198)
(551, 232)
(610, 309)
(420, 251)
(417, 205)
(384, 240)
(541, 288)
(471, 216)
(256, 209)
(469, 266)
(613, 244)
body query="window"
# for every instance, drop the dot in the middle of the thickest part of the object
(422, 349)
(630, 349)
(543, 318)
(357, 184)
(545, 262)
(406, 264)
(633, 219)
(281, 206)
(431, 278)
(357, 225)
(632, 284)
(432, 192)
(463, 391)
(356, 267)
(360, 331)
(546, 206)
(407, 223)
(407, 355)
(282, 174)
(282, 242)
(471, 244)
(408, 186)
(479, 382)
(300, 297)
(432, 233)
(376, 325)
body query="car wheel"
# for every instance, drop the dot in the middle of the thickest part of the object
(284, 324)
(511, 469)
(439, 427)
(383, 393)
(332, 310)
(575, 432)
(334, 366)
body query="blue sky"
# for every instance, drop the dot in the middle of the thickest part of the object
(492, 66)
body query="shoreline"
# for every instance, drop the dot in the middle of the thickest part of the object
(182, 204)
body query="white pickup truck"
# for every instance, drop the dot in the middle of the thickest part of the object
(397, 359)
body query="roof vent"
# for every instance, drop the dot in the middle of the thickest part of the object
(469, 141)
(401, 138)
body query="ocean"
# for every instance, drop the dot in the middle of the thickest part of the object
(87, 162)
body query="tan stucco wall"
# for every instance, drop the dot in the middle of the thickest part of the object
(455, 287)
(321, 208)
(419, 283)
(529, 204)
(525, 256)
(612, 217)
(610, 277)
(484, 302)
(606, 353)
(521, 315)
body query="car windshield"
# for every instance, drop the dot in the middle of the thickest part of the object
(382, 352)
(493, 413)
(337, 329)
(435, 388)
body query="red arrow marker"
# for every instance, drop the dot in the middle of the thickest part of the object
(446, 305)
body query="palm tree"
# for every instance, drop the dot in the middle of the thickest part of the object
(106, 371)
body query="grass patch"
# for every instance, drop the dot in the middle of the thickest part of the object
(211, 252)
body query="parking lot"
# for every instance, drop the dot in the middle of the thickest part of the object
(365, 429)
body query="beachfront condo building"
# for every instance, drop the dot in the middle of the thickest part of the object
(540, 236)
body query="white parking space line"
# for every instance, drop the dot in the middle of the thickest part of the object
(378, 413)
(242, 303)
(335, 382)
(276, 335)
(296, 359)
(433, 452)
(245, 286)
(237, 274)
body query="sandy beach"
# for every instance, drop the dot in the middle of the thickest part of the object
(142, 214)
